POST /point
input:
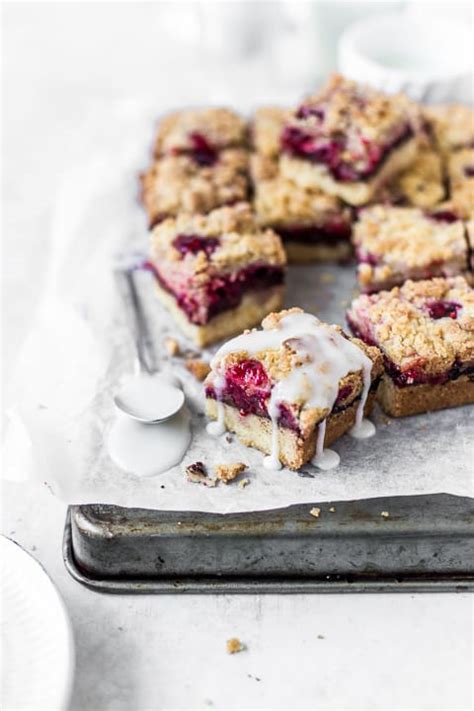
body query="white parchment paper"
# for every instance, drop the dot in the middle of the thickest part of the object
(80, 348)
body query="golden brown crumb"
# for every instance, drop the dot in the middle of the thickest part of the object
(196, 473)
(245, 482)
(199, 368)
(332, 509)
(384, 514)
(315, 512)
(234, 645)
(172, 346)
(229, 472)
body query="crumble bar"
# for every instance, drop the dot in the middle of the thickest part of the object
(425, 331)
(266, 128)
(291, 388)
(394, 244)
(314, 226)
(452, 126)
(461, 182)
(200, 133)
(420, 185)
(218, 273)
(177, 184)
(348, 140)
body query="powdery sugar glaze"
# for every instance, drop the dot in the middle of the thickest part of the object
(326, 357)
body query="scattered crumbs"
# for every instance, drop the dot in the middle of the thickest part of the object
(229, 439)
(33, 548)
(321, 636)
(196, 473)
(315, 512)
(198, 368)
(234, 645)
(305, 475)
(229, 472)
(385, 514)
(332, 509)
(120, 629)
(251, 676)
(327, 278)
(245, 482)
(172, 346)
(162, 486)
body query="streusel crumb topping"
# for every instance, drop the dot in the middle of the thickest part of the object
(346, 107)
(406, 236)
(240, 240)
(222, 128)
(401, 324)
(421, 185)
(178, 184)
(278, 201)
(452, 126)
(267, 126)
(461, 181)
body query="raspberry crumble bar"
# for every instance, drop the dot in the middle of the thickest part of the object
(425, 331)
(461, 182)
(200, 133)
(218, 273)
(394, 244)
(348, 140)
(314, 226)
(178, 183)
(451, 126)
(291, 388)
(420, 185)
(266, 128)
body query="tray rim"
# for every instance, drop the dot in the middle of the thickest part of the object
(281, 586)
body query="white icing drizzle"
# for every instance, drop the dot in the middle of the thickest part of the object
(324, 458)
(326, 357)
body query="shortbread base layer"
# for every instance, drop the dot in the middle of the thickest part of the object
(314, 175)
(453, 270)
(294, 450)
(299, 253)
(255, 305)
(415, 399)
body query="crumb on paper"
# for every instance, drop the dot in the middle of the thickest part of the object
(332, 509)
(229, 438)
(199, 368)
(234, 645)
(196, 473)
(172, 346)
(245, 482)
(315, 512)
(229, 472)
(385, 514)
(327, 278)
(386, 420)
(321, 636)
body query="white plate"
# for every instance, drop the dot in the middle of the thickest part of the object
(37, 643)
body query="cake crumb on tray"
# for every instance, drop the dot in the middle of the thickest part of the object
(229, 472)
(234, 645)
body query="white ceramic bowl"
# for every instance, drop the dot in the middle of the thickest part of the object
(427, 57)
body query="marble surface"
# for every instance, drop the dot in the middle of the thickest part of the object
(139, 653)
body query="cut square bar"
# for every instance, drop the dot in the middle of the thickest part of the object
(425, 331)
(394, 244)
(291, 388)
(314, 226)
(218, 273)
(348, 140)
(176, 184)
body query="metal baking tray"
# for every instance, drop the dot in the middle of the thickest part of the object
(425, 544)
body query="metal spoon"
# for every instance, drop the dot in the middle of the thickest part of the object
(148, 396)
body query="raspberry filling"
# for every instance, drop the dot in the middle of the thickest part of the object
(192, 244)
(247, 387)
(332, 152)
(443, 309)
(221, 292)
(330, 233)
(202, 152)
(469, 171)
(443, 216)
(364, 257)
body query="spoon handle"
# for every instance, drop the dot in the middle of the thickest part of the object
(136, 320)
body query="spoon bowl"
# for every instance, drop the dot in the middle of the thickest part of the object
(150, 398)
